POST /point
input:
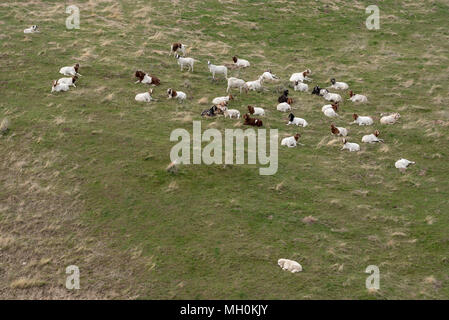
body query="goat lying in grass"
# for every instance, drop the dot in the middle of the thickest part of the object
(241, 63)
(339, 131)
(143, 77)
(177, 46)
(289, 265)
(255, 85)
(402, 164)
(68, 81)
(352, 147)
(218, 100)
(390, 119)
(70, 71)
(210, 112)
(236, 83)
(144, 97)
(189, 62)
(231, 113)
(296, 121)
(357, 97)
(362, 120)
(283, 107)
(217, 70)
(268, 76)
(331, 111)
(291, 142)
(57, 87)
(256, 111)
(301, 86)
(301, 76)
(338, 85)
(372, 138)
(181, 96)
(32, 29)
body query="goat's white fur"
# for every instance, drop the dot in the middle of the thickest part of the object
(403, 163)
(214, 69)
(301, 86)
(289, 265)
(189, 62)
(144, 97)
(390, 119)
(299, 122)
(351, 146)
(283, 107)
(235, 83)
(363, 121)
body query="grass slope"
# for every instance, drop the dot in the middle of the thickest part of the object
(213, 232)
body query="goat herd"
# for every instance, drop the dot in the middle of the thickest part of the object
(220, 104)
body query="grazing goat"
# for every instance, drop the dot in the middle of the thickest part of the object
(301, 76)
(32, 29)
(181, 96)
(254, 85)
(289, 265)
(338, 85)
(357, 97)
(231, 113)
(57, 87)
(332, 111)
(351, 146)
(209, 112)
(268, 76)
(68, 81)
(402, 164)
(218, 100)
(339, 131)
(241, 63)
(291, 142)
(283, 107)
(301, 86)
(177, 46)
(252, 121)
(70, 71)
(142, 77)
(362, 121)
(296, 121)
(256, 111)
(284, 97)
(185, 62)
(144, 97)
(391, 119)
(217, 70)
(235, 83)
(372, 138)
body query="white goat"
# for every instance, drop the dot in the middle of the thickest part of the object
(301, 86)
(255, 85)
(391, 119)
(235, 83)
(357, 97)
(351, 146)
(331, 112)
(217, 70)
(268, 76)
(181, 96)
(283, 107)
(57, 87)
(334, 97)
(256, 111)
(338, 85)
(32, 29)
(185, 62)
(372, 138)
(291, 142)
(68, 81)
(402, 164)
(231, 113)
(241, 63)
(289, 265)
(219, 100)
(339, 131)
(362, 121)
(296, 121)
(301, 76)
